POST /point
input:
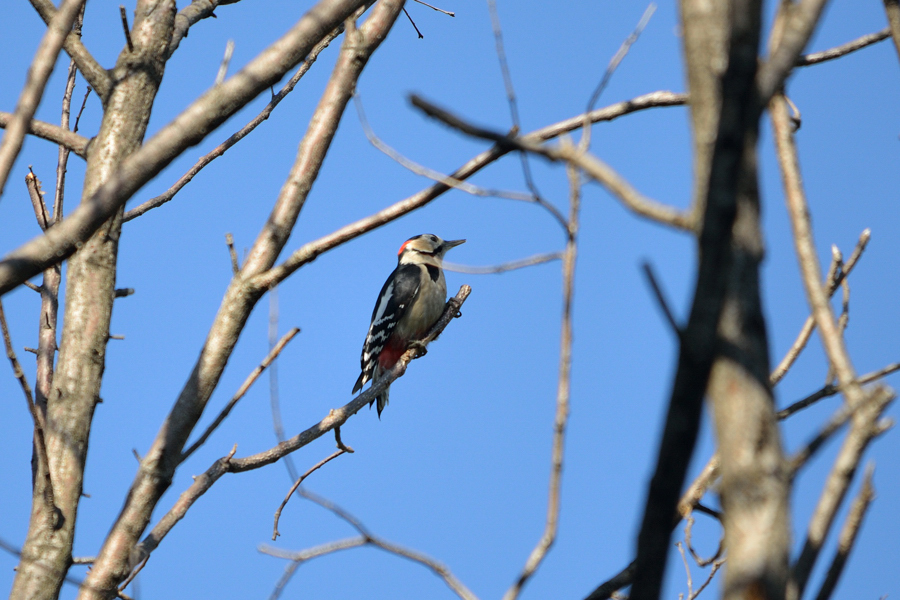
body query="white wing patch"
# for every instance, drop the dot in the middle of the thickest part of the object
(382, 306)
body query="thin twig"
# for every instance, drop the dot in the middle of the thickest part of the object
(712, 573)
(84, 100)
(296, 485)
(844, 49)
(298, 558)
(661, 298)
(537, 259)
(832, 282)
(848, 535)
(62, 158)
(125, 27)
(614, 62)
(38, 74)
(591, 165)
(687, 568)
(831, 390)
(514, 113)
(425, 171)
(223, 68)
(340, 443)
(237, 136)
(274, 396)
(562, 396)
(413, 23)
(437, 568)
(251, 379)
(36, 194)
(37, 419)
(440, 10)
(235, 265)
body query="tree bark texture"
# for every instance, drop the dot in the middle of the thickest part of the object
(90, 290)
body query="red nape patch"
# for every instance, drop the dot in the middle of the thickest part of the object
(400, 251)
(390, 355)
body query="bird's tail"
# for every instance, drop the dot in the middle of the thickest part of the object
(382, 398)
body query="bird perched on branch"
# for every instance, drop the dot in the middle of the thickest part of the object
(410, 302)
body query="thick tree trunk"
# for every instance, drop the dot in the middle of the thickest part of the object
(90, 290)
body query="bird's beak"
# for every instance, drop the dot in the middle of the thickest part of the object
(451, 244)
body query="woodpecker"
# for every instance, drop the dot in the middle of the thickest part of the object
(410, 302)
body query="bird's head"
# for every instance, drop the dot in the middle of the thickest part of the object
(425, 248)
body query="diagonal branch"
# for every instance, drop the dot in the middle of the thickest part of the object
(562, 393)
(188, 129)
(251, 379)
(892, 8)
(238, 135)
(189, 16)
(52, 133)
(591, 165)
(866, 406)
(844, 49)
(38, 74)
(851, 528)
(158, 466)
(794, 27)
(335, 419)
(98, 77)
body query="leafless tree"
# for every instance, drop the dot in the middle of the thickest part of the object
(724, 353)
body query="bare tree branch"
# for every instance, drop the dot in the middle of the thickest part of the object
(892, 8)
(238, 135)
(52, 133)
(188, 129)
(562, 393)
(591, 165)
(866, 406)
(158, 466)
(537, 259)
(312, 250)
(98, 77)
(251, 379)
(844, 49)
(831, 284)
(38, 74)
(851, 528)
(789, 38)
(310, 471)
(368, 538)
(425, 171)
(731, 172)
(335, 419)
(809, 262)
(300, 557)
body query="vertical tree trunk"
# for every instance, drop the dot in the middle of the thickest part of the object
(90, 288)
(721, 46)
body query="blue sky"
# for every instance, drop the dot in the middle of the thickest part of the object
(457, 467)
